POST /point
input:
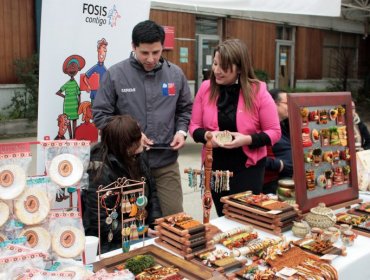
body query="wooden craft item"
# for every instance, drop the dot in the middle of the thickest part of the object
(318, 247)
(221, 265)
(187, 269)
(277, 220)
(292, 257)
(359, 221)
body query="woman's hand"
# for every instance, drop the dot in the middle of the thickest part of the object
(215, 143)
(152, 232)
(239, 140)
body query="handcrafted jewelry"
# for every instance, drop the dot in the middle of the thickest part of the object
(306, 140)
(323, 117)
(341, 113)
(346, 171)
(329, 178)
(142, 201)
(190, 177)
(317, 152)
(321, 181)
(338, 176)
(336, 156)
(125, 245)
(113, 215)
(310, 179)
(123, 204)
(313, 116)
(344, 154)
(315, 134)
(333, 113)
(328, 156)
(325, 137)
(342, 133)
(207, 203)
(111, 218)
(308, 157)
(304, 114)
(334, 136)
(134, 235)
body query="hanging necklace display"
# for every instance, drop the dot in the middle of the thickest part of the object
(141, 203)
(111, 218)
(128, 195)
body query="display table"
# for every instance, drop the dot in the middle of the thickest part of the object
(353, 266)
(356, 265)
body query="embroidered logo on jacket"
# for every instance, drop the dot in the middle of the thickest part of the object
(168, 89)
(124, 90)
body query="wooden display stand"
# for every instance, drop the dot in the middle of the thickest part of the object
(266, 220)
(184, 242)
(323, 149)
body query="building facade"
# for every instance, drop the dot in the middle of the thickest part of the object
(293, 50)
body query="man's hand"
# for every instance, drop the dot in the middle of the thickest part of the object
(146, 141)
(178, 141)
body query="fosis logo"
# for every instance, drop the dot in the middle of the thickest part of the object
(101, 15)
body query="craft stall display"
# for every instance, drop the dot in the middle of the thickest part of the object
(129, 208)
(182, 234)
(322, 149)
(261, 211)
(358, 219)
(29, 213)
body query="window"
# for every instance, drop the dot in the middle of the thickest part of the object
(339, 55)
(284, 32)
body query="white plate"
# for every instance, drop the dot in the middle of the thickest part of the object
(4, 213)
(38, 238)
(12, 181)
(66, 170)
(32, 207)
(68, 241)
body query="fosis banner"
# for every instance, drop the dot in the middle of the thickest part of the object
(79, 41)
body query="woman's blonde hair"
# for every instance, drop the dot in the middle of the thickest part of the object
(235, 52)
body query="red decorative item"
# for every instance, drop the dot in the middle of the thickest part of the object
(306, 139)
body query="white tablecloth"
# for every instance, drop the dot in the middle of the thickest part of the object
(356, 265)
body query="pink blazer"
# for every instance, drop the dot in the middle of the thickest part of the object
(263, 117)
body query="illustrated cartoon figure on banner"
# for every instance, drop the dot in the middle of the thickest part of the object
(63, 123)
(113, 15)
(86, 130)
(90, 81)
(72, 93)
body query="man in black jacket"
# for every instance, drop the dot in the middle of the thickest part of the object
(279, 157)
(361, 133)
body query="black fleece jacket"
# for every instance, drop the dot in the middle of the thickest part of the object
(110, 173)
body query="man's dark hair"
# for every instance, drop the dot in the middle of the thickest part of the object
(147, 32)
(275, 94)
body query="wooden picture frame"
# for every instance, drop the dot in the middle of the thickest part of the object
(310, 128)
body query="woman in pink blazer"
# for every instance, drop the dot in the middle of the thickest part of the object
(234, 100)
